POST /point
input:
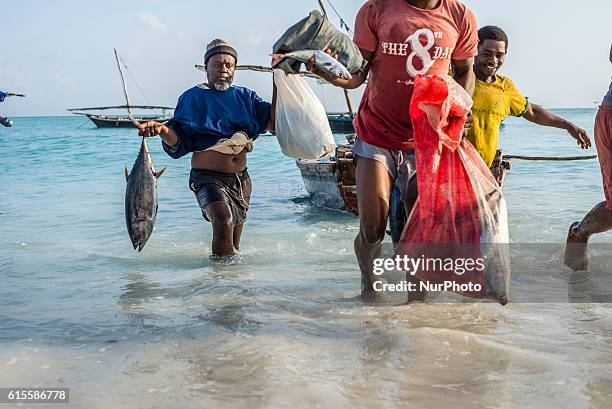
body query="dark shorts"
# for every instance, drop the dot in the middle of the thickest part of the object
(401, 166)
(232, 188)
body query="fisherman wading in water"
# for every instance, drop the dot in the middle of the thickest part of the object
(599, 219)
(218, 123)
(399, 39)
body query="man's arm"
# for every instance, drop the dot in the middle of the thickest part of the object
(356, 80)
(541, 116)
(152, 128)
(463, 73)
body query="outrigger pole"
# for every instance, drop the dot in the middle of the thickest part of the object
(520, 157)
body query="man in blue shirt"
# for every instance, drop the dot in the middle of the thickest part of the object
(218, 123)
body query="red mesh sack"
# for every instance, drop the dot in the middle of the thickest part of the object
(460, 214)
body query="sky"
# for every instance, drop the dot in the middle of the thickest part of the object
(60, 53)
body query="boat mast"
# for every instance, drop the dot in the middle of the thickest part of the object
(125, 92)
(127, 98)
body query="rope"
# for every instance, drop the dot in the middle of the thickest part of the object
(342, 22)
(135, 82)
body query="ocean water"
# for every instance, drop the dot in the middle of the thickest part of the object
(282, 327)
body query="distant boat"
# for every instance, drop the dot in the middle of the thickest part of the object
(123, 121)
(6, 122)
(3, 120)
(341, 122)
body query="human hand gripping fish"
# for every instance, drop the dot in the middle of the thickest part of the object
(317, 61)
(141, 126)
(150, 128)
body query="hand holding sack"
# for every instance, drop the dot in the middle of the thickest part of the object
(302, 127)
(461, 212)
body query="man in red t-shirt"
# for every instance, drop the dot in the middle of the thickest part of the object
(399, 39)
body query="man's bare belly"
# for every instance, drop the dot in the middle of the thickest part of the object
(219, 162)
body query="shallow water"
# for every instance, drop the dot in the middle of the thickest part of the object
(282, 327)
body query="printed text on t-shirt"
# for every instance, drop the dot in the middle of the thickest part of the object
(418, 50)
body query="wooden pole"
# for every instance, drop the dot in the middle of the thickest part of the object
(557, 158)
(322, 8)
(261, 68)
(348, 102)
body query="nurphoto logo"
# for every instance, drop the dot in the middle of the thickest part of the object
(412, 265)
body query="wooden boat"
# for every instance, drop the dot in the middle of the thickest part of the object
(331, 182)
(341, 122)
(6, 122)
(122, 121)
(103, 121)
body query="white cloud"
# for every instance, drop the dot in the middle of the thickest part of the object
(255, 40)
(152, 22)
(181, 35)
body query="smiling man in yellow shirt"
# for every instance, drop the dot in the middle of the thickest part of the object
(496, 97)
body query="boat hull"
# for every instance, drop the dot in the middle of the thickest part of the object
(331, 182)
(342, 125)
(121, 122)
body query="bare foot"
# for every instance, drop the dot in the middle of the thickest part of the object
(576, 251)
(371, 297)
(226, 259)
(418, 295)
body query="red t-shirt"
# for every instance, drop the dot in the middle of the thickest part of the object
(406, 41)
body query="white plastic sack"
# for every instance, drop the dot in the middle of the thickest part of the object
(302, 127)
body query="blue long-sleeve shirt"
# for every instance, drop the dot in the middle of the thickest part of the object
(204, 115)
(2, 96)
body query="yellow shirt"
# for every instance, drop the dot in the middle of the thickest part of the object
(492, 104)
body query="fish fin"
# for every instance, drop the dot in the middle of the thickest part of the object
(127, 174)
(159, 173)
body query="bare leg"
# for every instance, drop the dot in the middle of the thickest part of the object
(220, 216)
(598, 220)
(373, 190)
(238, 235)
